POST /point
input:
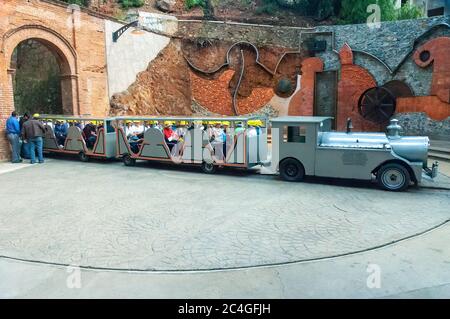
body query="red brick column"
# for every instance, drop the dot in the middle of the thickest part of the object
(6, 107)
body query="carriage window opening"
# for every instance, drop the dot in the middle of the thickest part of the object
(294, 134)
(109, 127)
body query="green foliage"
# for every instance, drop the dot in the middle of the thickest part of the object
(316, 8)
(84, 3)
(269, 7)
(356, 11)
(132, 3)
(409, 12)
(37, 83)
(43, 96)
(189, 4)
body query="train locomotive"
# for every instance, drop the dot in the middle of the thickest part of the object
(306, 146)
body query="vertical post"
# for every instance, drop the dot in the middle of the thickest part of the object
(6, 107)
(69, 86)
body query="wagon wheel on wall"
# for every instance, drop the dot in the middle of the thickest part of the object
(377, 105)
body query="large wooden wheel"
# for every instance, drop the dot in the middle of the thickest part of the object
(377, 105)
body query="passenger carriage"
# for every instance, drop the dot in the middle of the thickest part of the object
(301, 146)
(75, 142)
(242, 147)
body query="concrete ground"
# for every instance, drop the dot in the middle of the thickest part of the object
(160, 231)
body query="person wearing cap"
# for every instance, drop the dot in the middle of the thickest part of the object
(239, 128)
(128, 129)
(169, 135)
(60, 132)
(13, 135)
(32, 132)
(181, 130)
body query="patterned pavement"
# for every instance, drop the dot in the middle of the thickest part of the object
(156, 217)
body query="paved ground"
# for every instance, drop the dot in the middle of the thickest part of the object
(414, 268)
(172, 219)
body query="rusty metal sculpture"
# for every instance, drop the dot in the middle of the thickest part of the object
(241, 45)
(377, 105)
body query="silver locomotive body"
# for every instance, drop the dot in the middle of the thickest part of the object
(393, 160)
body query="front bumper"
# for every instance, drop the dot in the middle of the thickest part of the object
(433, 171)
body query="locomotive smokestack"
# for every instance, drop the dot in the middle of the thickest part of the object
(349, 125)
(394, 129)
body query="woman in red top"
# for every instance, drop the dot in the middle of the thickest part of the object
(168, 136)
(167, 132)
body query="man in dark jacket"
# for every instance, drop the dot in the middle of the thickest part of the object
(24, 148)
(32, 132)
(23, 119)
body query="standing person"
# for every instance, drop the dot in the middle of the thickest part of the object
(13, 133)
(33, 131)
(23, 119)
(24, 148)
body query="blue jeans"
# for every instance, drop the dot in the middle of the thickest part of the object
(15, 147)
(25, 150)
(36, 144)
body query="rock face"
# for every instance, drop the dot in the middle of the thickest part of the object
(166, 5)
(163, 89)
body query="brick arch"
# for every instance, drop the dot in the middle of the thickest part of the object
(63, 51)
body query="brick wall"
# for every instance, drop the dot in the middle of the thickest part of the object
(76, 37)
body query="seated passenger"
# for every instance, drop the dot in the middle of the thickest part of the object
(181, 130)
(79, 125)
(226, 132)
(252, 131)
(147, 125)
(169, 136)
(128, 129)
(90, 135)
(137, 128)
(135, 143)
(60, 132)
(239, 128)
(217, 140)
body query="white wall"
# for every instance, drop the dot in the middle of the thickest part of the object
(130, 55)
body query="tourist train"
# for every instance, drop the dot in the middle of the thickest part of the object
(294, 147)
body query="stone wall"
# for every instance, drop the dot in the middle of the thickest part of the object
(259, 35)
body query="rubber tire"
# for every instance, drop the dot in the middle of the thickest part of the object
(399, 168)
(289, 164)
(83, 157)
(208, 168)
(128, 160)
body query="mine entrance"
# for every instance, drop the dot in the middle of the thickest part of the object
(37, 79)
(326, 95)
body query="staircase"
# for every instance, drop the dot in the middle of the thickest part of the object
(440, 150)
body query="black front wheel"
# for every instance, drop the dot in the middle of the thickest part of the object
(208, 168)
(83, 157)
(292, 170)
(128, 160)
